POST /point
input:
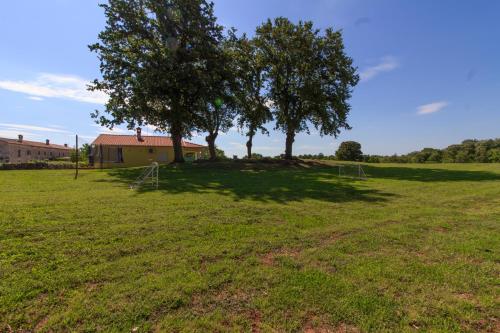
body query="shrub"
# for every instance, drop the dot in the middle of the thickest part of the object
(36, 165)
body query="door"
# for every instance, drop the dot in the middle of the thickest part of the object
(163, 158)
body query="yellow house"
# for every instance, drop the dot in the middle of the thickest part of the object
(111, 151)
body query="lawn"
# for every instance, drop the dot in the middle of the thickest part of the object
(235, 247)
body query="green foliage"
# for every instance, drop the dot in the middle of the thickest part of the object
(219, 102)
(479, 151)
(257, 156)
(319, 156)
(83, 153)
(494, 155)
(221, 244)
(250, 75)
(158, 59)
(37, 165)
(310, 78)
(168, 64)
(220, 154)
(349, 151)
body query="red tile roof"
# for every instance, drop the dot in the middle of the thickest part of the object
(34, 144)
(131, 140)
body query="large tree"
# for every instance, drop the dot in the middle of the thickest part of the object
(310, 77)
(218, 109)
(154, 56)
(349, 151)
(252, 101)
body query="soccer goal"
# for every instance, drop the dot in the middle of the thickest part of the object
(149, 173)
(351, 170)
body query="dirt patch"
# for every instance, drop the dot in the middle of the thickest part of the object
(490, 325)
(465, 296)
(7, 328)
(441, 229)
(234, 300)
(256, 320)
(231, 301)
(91, 286)
(332, 238)
(342, 328)
(41, 324)
(269, 259)
(316, 323)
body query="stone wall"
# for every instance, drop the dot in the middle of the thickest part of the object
(20, 153)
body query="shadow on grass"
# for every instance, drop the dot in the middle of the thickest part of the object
(256, 182)
(428, 174)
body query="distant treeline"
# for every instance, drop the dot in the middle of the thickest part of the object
(479, 151)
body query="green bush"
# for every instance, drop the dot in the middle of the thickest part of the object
(38, 165)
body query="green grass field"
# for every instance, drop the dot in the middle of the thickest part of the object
(232, 247)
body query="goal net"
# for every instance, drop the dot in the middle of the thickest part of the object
(148, 174)
(351, 170)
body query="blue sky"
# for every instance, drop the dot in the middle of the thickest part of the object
(430, 70)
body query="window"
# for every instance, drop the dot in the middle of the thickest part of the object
(38, 153)
(44, 153)
(50, 153)
(19, 153)
(28, 152)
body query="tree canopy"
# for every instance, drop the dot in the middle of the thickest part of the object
(252, 102)
(310, 77)
(169, 64)
(349, 151)
(156, 60)
(481, 151)
(219, 108)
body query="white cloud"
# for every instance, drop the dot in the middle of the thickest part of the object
(56, 86)
(269, 103)
(152, 128)
(267, 149)
(115, 130)
(35, 98)
(22, 127)
(308, 147)
(386, 64)
(431, 107)
(12, 134)
(238, 145)
(56, 126)
(195, 134)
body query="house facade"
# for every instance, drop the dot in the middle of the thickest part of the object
(22, 151)
(111, 151)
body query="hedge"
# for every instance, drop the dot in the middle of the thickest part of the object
(36, 165)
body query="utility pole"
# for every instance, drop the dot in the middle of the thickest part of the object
(77, 158)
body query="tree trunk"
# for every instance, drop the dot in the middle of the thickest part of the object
(211, 146)
(290, 138)
(249, 146)
(177, 142)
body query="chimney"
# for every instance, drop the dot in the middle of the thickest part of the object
(66, 145)
(47, 142)
(20, 138)
(139, 136)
